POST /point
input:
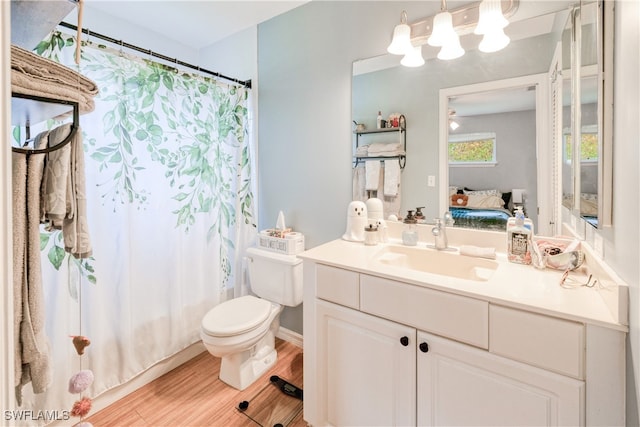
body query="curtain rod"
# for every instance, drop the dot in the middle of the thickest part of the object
(245, 83)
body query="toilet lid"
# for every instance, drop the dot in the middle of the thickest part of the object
(236, 316)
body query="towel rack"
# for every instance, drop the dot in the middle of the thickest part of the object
(402, 159)
(401, 129)
(27, 109)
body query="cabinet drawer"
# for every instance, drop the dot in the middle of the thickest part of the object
(452, 316)
(338, 285)
(547, 342)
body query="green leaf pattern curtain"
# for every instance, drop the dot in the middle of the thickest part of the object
(170, 186)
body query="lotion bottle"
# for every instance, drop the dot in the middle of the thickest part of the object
(379, 120)
(519, 240)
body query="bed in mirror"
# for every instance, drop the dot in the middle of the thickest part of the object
(494, 131)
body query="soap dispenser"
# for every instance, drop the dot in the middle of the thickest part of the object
(519, 240)
(410, 232)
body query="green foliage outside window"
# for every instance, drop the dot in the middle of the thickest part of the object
(474, 151)
(588, 147)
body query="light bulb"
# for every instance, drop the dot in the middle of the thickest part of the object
(413, 58)
(494, 41)
(452, 49)
(442, 29)
(490, 17)
(401, 42)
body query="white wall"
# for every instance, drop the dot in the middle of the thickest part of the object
(100, 22)
(235, 56)
(622, 249)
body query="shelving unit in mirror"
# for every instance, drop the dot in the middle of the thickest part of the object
(382, 150)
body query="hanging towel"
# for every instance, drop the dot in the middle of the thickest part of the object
(391, 177)
(358, 191)
(32, 358)
(53, 202)
(372, 174)
(63, 193)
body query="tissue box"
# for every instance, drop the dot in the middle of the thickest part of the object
(290, 243)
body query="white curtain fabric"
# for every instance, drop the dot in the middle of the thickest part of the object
(170, 188)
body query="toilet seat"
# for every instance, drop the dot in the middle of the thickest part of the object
(236, 316)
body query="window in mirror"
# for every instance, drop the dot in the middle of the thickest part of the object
(588, 145)
(475, 149)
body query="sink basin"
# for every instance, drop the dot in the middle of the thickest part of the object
(437, 262)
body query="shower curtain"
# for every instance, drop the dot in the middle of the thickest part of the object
(170, 189)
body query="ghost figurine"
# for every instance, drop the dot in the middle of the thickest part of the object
(357, 221)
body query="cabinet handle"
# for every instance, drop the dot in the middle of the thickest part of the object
(424, 347)
(404, 341)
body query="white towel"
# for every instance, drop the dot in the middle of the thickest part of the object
(477, 251)
(362, 150)
(391, 177)
(372, 174)
(379, 149)
(358, 191)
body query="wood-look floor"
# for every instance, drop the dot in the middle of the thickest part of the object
(192, 395)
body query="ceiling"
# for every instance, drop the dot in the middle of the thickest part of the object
(193, 23)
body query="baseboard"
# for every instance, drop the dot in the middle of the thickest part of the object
(290, 336)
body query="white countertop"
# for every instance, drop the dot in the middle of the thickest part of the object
(513, 285)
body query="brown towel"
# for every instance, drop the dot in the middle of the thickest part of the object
(31, 347)
(34, 75)
(63, 193)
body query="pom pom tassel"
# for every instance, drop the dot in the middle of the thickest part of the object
(81, 407)
(80, 381)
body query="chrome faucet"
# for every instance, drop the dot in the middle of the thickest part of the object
(439, 232)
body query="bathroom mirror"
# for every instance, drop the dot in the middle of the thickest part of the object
(381, 84)
(586, 170)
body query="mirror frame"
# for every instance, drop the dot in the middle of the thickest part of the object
(545, 151)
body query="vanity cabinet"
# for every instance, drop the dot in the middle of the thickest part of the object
(385, 352)
(458, 385)
(366, 369)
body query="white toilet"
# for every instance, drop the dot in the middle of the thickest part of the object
(242, 331)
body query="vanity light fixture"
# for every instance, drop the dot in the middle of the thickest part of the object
(444, 36)
(401, 42)
(491, 24)
(487, 18)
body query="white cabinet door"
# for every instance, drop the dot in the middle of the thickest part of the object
(366, 369)
(459, 385)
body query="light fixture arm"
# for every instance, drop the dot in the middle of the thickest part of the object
(464, 20)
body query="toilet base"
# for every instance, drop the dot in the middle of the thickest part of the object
(240, 370)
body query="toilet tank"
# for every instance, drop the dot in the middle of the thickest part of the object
(275, 277)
